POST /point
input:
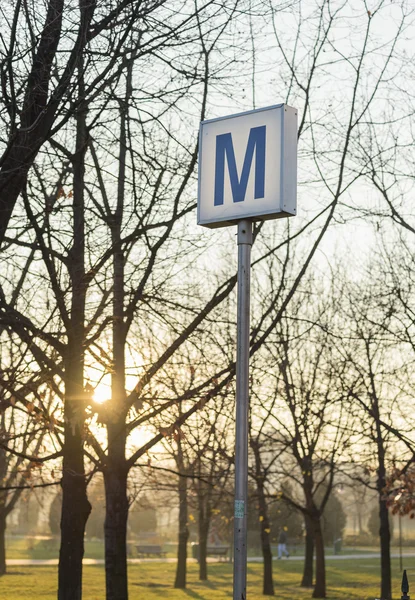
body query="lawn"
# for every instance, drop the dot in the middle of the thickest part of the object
(20, 547)
(36, 548)
(347, 580)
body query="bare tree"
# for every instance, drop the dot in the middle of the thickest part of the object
(23, 430)
(76, 265)
(210, 438)
(306, 419)
(375, 379)
(43, 51)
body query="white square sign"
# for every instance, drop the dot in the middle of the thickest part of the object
(248, 166)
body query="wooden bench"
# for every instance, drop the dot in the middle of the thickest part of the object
(149, 550)
(217, 551)
(220, 551)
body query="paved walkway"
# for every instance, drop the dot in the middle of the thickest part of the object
(99, 561)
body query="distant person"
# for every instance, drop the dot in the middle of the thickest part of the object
(282, 544)
(214, 539)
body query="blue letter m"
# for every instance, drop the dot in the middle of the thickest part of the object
(224, 147)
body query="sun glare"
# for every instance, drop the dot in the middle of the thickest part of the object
(102, 393)
(101, 382)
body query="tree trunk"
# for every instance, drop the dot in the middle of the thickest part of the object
(204, 495)
(307, 580)
(116, 472)
(2, 543)
(359, 521)
(203, 539)
(268, 584)
(115, 479)
(3, 501)
(385, 559)
(116, 516)
(320, 586)
(75, 512)
(384, 532)
(204, 523)
(75, 505)
(180, 581)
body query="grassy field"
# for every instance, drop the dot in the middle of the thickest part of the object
(347, 580)
(19, 547)
(46, 548)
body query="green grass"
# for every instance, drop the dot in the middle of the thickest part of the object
(347, 580)
(45, 549)
(49, 548)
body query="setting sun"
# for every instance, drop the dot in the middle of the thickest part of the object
(102, 393)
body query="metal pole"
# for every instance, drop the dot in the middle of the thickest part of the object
(242, 404)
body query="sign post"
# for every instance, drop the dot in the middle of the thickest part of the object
(242, 195)
(242, 406)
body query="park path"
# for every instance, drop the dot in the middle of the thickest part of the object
(20, 562)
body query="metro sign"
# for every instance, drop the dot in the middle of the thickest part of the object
(248, 166)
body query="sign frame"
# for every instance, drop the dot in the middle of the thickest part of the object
(287, 193)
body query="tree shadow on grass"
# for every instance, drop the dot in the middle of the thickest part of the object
(151, 585)
(207, 584)
(193, 594)
(204, 587)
